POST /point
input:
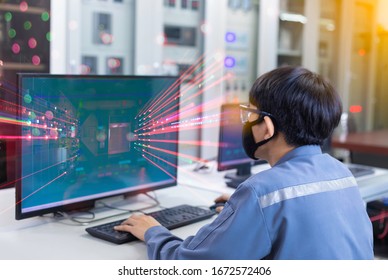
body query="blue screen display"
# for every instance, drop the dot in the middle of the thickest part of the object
(88, 137)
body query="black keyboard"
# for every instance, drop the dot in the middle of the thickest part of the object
(170, 218)
(359, 171)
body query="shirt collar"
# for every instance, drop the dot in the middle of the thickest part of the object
(307, 150)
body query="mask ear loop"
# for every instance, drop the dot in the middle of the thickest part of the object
(259, 120)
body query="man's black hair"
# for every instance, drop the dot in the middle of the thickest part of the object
(307, 108)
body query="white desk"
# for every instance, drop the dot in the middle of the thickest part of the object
(49, 238)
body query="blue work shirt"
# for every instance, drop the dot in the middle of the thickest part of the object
(307, 206)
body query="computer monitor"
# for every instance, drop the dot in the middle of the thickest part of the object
(85, 138)
(231, 154)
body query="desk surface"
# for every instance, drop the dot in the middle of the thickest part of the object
(373, 142)
(60, 239)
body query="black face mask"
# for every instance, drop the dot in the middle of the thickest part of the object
(248, 141)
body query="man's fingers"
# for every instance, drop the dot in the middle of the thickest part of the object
(123, 227)
(128, 223)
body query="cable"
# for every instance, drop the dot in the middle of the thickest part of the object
(384, 233)
(381, 218)
(382, 215)
(76, 220)
(157, 203)
(83, 221)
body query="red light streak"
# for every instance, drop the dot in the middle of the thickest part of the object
(161, 95)
(31, 194)
(23, 110)
(186, 74)
(36, 172)
(176, 153)
(18, 96)
(159, 99)
(12, 137)
(182, 126)
(196, 178)
(149, 125)
(192, 143)
(68, 120)
(24, 123)
(28, 137)
(159, 158)
(198, 63)
(198, 122)
(201, 91)
(158, 166)
(213, 104)
(200, 78)
(180, 170)
(12, 121)
(381, 217)
(217, 82)
(42, 103)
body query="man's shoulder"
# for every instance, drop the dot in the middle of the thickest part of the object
(297, 171)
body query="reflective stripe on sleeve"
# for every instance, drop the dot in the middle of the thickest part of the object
(306, 189)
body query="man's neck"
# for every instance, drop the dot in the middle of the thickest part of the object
(276, 149)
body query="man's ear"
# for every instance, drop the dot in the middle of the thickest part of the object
(270, 127)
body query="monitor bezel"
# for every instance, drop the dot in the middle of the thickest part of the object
(87, 203)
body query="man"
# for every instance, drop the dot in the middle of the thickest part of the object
(307, 206)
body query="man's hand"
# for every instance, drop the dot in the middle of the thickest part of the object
(221, 200)
(137, 224)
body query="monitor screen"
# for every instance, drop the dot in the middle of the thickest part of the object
(231, 154)
(84, 138)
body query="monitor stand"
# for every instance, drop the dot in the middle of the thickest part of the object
(233, 180)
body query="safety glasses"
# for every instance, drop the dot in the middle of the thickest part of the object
(246, 112)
